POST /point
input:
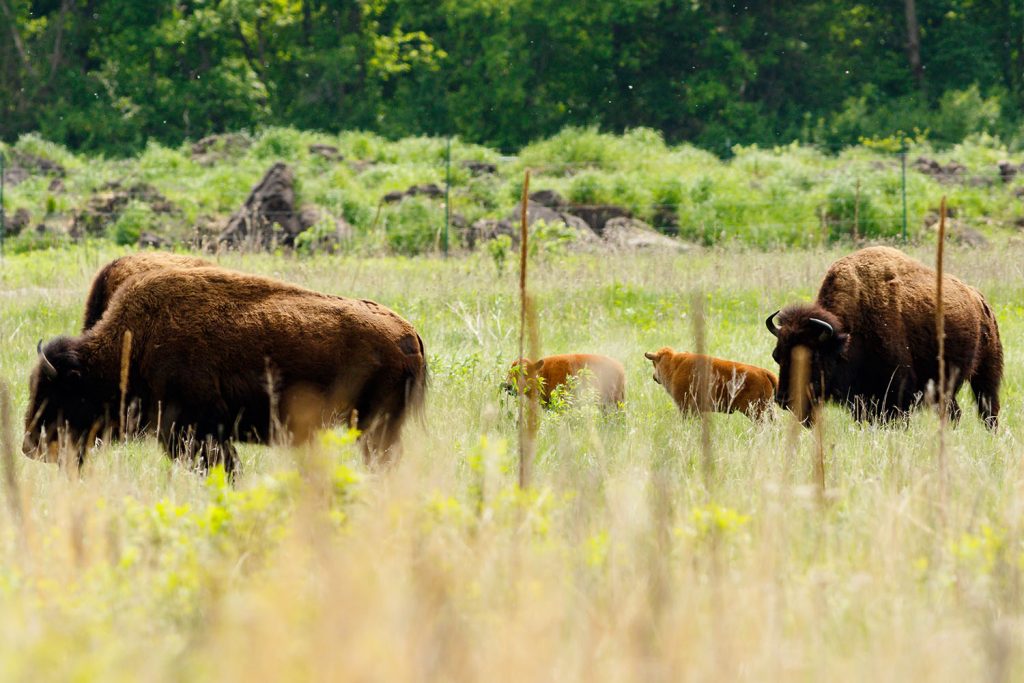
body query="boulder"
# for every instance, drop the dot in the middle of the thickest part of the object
(328, 152)
(550, 199)
(106, 206)
(480, 167)
(428, 190)
(268, 217)
(487, 229)
(597, 215)
(18, 222)
(214, 148)
(149, 240)
(631, 233)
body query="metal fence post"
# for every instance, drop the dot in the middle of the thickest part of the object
(903, 164)
(447, 193)
(3, 214)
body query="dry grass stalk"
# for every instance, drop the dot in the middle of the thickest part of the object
(528, 417)
(11, 487)
(126, 356)
(799, 402)
(819, 453)
(940, 333)
(704, 406)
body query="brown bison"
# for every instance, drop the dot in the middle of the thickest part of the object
(733, 386)
(872, 342)
(603, 374)
(111, 276)
(218, 356)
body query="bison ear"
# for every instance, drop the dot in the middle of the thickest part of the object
(538, 365)
(650, 356)
(59, 358)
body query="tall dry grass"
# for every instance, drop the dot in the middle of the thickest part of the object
(619, 562)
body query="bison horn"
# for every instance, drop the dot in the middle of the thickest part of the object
(827, 332)
(46, 365)
(770, 324)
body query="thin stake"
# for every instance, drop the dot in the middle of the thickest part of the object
(703, 391)
(525, 438)
(447, 193)
(126, 355)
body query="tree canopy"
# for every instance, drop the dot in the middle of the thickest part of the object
(108, 75)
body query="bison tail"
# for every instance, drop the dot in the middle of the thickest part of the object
(417, 380)
(989, 373)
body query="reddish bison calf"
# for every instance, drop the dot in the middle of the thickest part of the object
(604, 375)
(872, 342)
(733, 386)
(218, 356)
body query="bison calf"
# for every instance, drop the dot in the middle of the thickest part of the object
(604, 375)
(872, 343)
(731, 386)
(218, 356)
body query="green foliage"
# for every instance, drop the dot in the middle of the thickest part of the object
(136, 218)
(413, 227)
(499, 248)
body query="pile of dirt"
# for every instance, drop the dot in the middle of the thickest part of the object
(328, 152)
(21, 166)
(429, 190)
(951, 172)
(107, 204)
(216, 148)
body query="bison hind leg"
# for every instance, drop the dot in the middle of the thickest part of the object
(985, 385)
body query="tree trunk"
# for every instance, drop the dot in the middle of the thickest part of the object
(914, 44)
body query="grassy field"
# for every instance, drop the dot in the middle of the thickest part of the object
(630, 557)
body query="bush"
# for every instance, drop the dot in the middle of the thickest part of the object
(413, 226)
(135, 218)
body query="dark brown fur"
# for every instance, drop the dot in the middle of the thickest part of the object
(734, 386)
(111, 276)
(207, 342)
(883, 353)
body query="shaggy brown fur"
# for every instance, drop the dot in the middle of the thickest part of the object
(880, 355)
(111, 276)
(603, 374)
(734, 386)
(211, 346)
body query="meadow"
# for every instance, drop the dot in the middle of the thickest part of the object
(633, 555)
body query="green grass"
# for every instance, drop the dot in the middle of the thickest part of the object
(623, 560)
(766, 198)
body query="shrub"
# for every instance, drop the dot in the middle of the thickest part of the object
(413, 226)
(135, 218)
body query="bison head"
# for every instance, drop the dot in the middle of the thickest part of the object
(820, 334)
(62, 405)
(656, 358)
(519, 375)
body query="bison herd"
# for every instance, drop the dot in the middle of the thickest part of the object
(204, 356)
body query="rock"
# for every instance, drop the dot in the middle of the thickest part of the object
(487, 229)
(361, 165)
(106, 206)
(536, 212)
(666, 220)
(268, 217)
(18, 222)
(597, 215)
(56, 186)
(966, 236)
(23, 165)
(328, 152)
(214, 148)
(631, 233)
(1008, 171)
(309, 216)
(550, 199)
(480, 167)
(149, 240)
(951, 172)
(429, 190)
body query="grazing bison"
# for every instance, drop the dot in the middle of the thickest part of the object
(733, 386)
(111, 276)
(603, 374)
(872, 341)
(218, 356)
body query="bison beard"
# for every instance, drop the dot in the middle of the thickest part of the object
(872, 340)
(219, 357)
